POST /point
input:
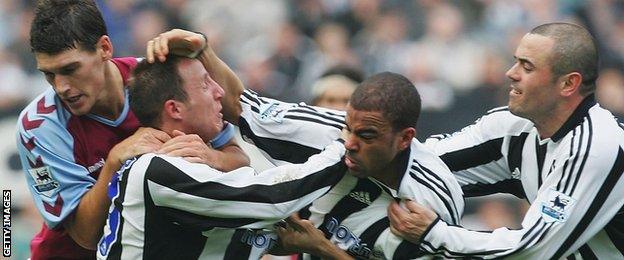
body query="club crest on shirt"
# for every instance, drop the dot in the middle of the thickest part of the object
(45, 184)
(273, 111)
(557, 206)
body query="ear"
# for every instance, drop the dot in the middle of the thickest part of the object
(105, 45)
(172, 110)
(571, 83)
(406, 137)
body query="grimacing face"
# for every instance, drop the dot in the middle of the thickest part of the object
(534, 92)
(202, 110)
(78, 78)
(371, 143)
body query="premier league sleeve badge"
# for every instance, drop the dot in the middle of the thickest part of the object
(557, 206)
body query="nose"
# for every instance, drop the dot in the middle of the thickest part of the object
(219, 92)
(61, 84)
(351, 143)
(512, 73)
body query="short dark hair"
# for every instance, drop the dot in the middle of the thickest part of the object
(153, 84)
(391, 94)
(574, 51)
(61, 25)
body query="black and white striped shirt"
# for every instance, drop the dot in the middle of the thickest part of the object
(167, 208)
(572, 180)
(353, 214)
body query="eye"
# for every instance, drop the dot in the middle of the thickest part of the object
(49, 76)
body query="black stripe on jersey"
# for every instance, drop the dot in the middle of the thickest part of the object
(370, 235)
(577, 154)
(160, 230)
(615, 230)
(278, 149)
(314, 120)
(427, 184)
(510, 186)
(601, 197)
(587, 253)
(408, 250)
(540, 151)
(514, 153)
(204, 223)
(440, 136)
(567, 161)
(314, 112)
(589, 142)
(164, 173)
(251, 99)
(237, 249)
(473, 156)
(115, 251)
(498, 109)
(351, 203)
(445, 189)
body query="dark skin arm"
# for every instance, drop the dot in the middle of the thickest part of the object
(301, 236)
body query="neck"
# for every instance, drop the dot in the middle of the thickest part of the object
(548, 124)
(392, 174)
(112, 97)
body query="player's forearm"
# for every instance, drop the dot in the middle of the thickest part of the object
(327, 250)
(227, 79)
(231, 158)
(86, 223)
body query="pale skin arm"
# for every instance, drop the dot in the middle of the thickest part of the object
(85, 224)
(193, 149)
(183, 43)
(412, 222)
(301, 236)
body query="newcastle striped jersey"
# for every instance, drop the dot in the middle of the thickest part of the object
(165, 208)
(572, 180)
(353, 214)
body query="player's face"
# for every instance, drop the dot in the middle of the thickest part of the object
(78, 78)
(371, 144)
(533, 93)
(202, 113)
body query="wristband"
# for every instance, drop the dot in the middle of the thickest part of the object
(196, 53)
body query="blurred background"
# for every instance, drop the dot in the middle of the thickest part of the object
(455, 52)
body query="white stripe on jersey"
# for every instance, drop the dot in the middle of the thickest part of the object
(163, 199)
(573, 181)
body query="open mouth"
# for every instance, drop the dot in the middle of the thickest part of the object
(73, 99)
(515, 91)
(350, 162)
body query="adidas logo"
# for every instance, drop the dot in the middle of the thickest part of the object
(361, 196)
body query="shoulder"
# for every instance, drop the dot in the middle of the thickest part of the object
(605, 133)
(125, 66)
(44, 118)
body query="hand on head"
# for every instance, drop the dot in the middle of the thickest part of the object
(412, 222)
(176, 41)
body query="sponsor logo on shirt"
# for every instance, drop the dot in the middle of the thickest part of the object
(45, 184)
(557, 206)
(342, 237)
(259, 239)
